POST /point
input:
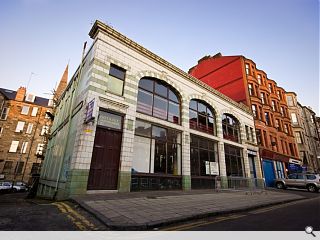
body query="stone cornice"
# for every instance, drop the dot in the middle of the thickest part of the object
(100, 26)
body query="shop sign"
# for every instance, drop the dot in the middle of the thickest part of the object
(89, 113)
(291, 160)
(294, 168)
(110, 120)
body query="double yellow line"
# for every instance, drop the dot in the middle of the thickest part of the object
(77, 219)
(201, 223)
(267, 209)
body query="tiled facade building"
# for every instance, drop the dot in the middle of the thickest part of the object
(238, 78)
(24, 125)
(131, 121)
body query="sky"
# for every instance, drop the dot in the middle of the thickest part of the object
(40, 37)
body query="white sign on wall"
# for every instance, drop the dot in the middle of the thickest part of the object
(212, 168)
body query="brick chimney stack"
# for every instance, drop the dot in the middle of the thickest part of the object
(21, 92)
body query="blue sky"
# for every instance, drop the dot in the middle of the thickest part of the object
(280, 36)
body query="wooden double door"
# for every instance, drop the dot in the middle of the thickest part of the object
(105, 160)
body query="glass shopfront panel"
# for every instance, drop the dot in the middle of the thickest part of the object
(234, 161)
(162, 155)
(203, 157)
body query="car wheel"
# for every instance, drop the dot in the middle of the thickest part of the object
(312, 188)
(280, 185)
(14, 190)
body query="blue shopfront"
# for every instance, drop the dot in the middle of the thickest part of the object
(273, 166)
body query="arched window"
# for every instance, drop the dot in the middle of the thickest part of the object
(158, 99)
(230, 128)
(201, 117)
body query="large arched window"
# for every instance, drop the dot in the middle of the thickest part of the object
(158, 99)
(201, 117)
(230, 128)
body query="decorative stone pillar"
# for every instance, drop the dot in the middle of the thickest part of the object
(258, 166)
(186, 173)
(222, 162)
(222, 165)
(246, 163)
(124, 177)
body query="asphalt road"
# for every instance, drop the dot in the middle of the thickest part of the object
(20, 214)
(294, 216)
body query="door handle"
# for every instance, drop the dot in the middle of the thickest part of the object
(98, 146)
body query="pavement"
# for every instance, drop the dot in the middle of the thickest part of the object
(148, 210)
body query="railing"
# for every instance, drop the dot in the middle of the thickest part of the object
(203, 182)
(239, 183)
(141, 182)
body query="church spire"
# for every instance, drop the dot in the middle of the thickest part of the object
(62, 84)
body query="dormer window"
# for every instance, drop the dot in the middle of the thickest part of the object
(30, 97)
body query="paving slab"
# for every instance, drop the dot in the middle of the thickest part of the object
(145, 210)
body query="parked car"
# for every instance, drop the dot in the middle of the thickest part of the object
(20, 187)
(17, 186)
(5, 187)
(308, 181)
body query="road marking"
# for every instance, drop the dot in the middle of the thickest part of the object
(280, 206)
(220, 219)
(79, 220)
(181, 226)
(79, 216)
(202, 223)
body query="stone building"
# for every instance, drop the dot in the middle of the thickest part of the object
(312, 137)
(306, 134)
(238, 78)
(131, 121)
(23, 128)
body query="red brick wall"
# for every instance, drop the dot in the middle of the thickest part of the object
(224, 74)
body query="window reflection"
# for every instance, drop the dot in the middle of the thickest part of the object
(158, 99)
(201, 117)
(234, 161)
(160, 107)
(144, 100)
(156, 149)
(203, 157)
(230, 128)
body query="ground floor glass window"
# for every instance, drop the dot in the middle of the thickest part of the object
(203, 157)
(234, 161)
(156, 149)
